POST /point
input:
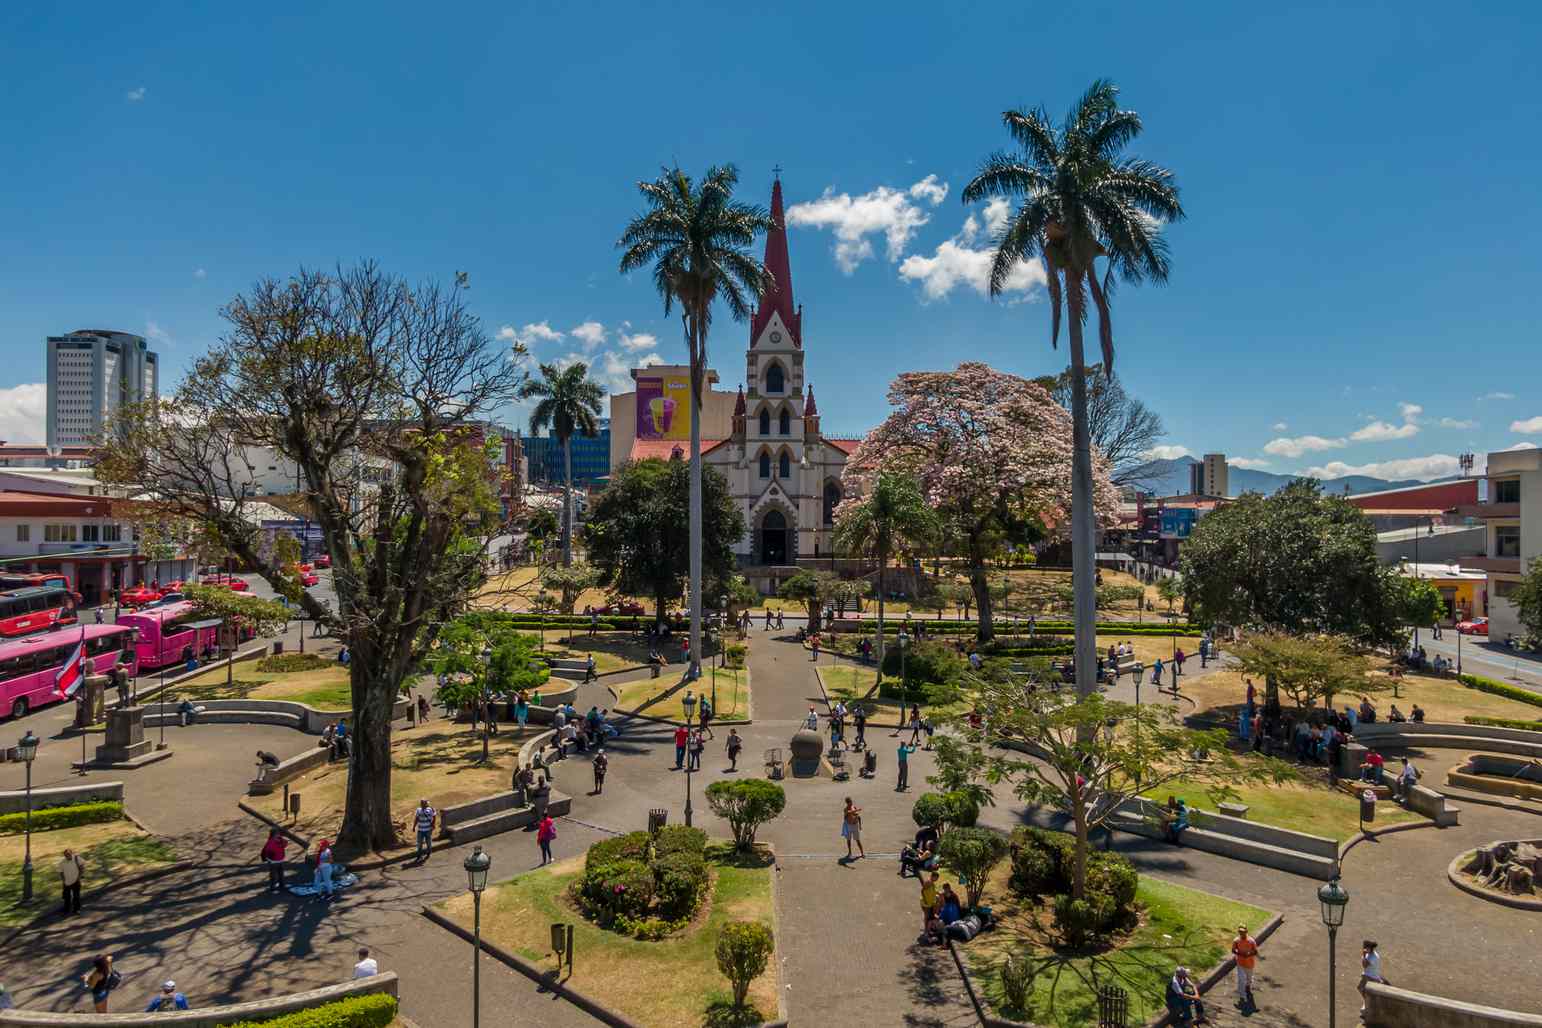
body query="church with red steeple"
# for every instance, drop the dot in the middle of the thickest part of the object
(783, 472)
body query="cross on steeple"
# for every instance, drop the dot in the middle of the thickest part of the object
(776, 170)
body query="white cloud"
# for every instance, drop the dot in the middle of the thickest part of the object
(535, 332)
(1436, 465)
(892, 212)
(1380, 432)
(1531, 426)
(636, 341)
(1457, 423)
(133, 96)
(1248, 462)
(1167, 452)
(957, 262)
(24, 413)
(648, 360)
(1497, 396)
(1522, 446)
(156, 334)
(1280, 426)
(200, 273)
(590, 334)
(1288, 447)
(1410, 412)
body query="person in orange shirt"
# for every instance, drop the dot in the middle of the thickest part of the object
(1245, 950)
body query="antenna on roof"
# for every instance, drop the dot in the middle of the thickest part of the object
(1465, 460)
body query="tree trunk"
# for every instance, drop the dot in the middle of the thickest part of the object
(980, 585)
(883, 562)
(367, 821)
(698, 375)
(567, 502)
(1083, 557)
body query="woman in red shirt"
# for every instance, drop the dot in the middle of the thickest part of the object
(544, 834)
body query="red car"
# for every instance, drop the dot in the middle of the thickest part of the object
(1477, 626)
(308, 578)
(138, 596)
(228, 581)
(324, 561)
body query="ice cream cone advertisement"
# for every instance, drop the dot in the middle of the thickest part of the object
(663, 407)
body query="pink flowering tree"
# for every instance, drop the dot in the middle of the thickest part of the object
(991, 450)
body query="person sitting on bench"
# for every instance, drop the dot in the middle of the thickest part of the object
(922, 856)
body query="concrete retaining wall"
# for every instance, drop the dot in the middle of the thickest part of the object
(1433, 806)
(1242, 828)
(16, 802)
(1401, 735)
(288, 770)
(306, 718)
(1297, 852)
(210, 1017)
(1389, 1007)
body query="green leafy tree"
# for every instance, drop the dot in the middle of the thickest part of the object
(1088, 757)
(1526, 595)
(891, 515)
(568, 582)
(740, 594)
(1309, 669)
(696, 237)
(746, 804)
(640, 545)
(569, 403)
(813, 589)
(972, 854)
(1170, 590)
(1298, 561)
(238, 611)
(743, 950)
(1417, 600)
(1079, 199)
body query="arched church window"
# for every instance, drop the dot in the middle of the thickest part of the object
(832, 499)
(776, 379)
(784, 423)
(765, 465)
(784, 466)
(765, 422)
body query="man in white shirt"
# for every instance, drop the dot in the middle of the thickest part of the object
(366, 967)
(1407, 778)
(1370, 968)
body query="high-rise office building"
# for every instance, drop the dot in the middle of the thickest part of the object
(1208, 476)
(91, 374)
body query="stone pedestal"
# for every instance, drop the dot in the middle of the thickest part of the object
(807, 748)
(126, 746)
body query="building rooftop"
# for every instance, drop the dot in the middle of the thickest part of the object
(1428, 569)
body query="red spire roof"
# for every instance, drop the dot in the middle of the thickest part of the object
(778, 299)
(809, 410)
(739, 403)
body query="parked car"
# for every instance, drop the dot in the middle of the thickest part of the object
(324, 561)
(614, 609)
(227, 581)
(1477, 626)
(308, 578)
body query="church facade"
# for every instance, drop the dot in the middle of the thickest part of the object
(781, 469)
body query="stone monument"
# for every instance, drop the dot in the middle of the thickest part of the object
(807, 750)
(126, 747)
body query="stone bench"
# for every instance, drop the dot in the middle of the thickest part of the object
(1297, 852)
(490, 815)
(1449, 735)
(235, 716)
(61, 796)
(288, 770)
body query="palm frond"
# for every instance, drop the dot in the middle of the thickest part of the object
(1034, 132)
(1105, 323)
(1003, 174)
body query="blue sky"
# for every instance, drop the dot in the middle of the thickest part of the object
(1356, 275)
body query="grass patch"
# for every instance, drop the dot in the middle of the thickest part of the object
(613, 651)
(847, 682)
(1176, 926)
(326, 688)
(1443, 699)
(674, 981)
(1308, 806)
(733, 694)
(109, 850)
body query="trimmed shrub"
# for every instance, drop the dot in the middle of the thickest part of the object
(1058, 847)
(743, 950)
(1017, 972)
(734, 653)
(376, 1010)
(1033, 870)
(930, 810)
(72, 816)
(680, 880)
(631, 846)
(679, 839)
(1509, 692)
(963, 808)
(1112, 879)
(971, 853)
(929, 694)
(622, 887)
(746, 804)
(1079, 920)
(287, 662)
(1504, 722)
(925, 662)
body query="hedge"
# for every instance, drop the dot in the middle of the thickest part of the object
(72, 816)
(1015, 626)
(287, 662)
(1509, 692)
(377, 1010)
(1053, 649)
(1504, 722)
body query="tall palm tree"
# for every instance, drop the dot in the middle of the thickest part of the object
(570, 403)
(893, 514)
(1078, 199)
(696, 237)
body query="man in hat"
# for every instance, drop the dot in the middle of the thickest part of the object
(1183, 1001)
(169, 999)
(1245, 951)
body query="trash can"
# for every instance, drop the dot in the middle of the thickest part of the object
(1367, 806)
(278, 647)
(870, 763)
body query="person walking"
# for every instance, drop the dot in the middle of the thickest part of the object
(101, 980)
(600, 764)
(424, 711)
(851, 828)
(521, 710)
(682, 739)
(273, 857)
(1156, 672)
(167, 999)
(423, 820)
(1178, 658)
(1245, 951)
(71, 870)
(324, 869)
(904, 767)
(859, 721)
(544, 836)
(697, 745)
(813, 645)
(589, 675)
(1370, 969)
(735, 743)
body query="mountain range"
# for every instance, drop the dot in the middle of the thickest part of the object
(1171, 477)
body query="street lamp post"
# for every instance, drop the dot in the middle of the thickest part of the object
(1333, 899)
(689, 703)
(476, 866)
(26, 749)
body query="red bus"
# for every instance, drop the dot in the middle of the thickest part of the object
(32, 580)
(165, 632)
(36, 609)
(28, 666)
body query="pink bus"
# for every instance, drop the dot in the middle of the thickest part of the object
(167, 630)
(27, 666)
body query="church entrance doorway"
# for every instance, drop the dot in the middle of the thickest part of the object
(773, 538)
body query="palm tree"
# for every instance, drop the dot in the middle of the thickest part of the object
(696, 237)
(570, 403)
(893, 514)
(1078, 200)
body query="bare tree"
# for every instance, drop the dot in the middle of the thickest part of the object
(377, 391)
(1122, 428)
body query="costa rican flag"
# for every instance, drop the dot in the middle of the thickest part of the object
(68, 678)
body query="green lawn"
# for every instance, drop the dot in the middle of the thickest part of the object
(110, 850)
(673, 982)
(733, 694)
(613, 651)
(324, 688)
(850, 682)
(1178, 926)
(1302, 807)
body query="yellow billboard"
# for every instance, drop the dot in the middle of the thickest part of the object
(663, 406)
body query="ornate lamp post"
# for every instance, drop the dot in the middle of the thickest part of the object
(689, 703)
(26, 749)
(1333, 899)
(476, 866)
